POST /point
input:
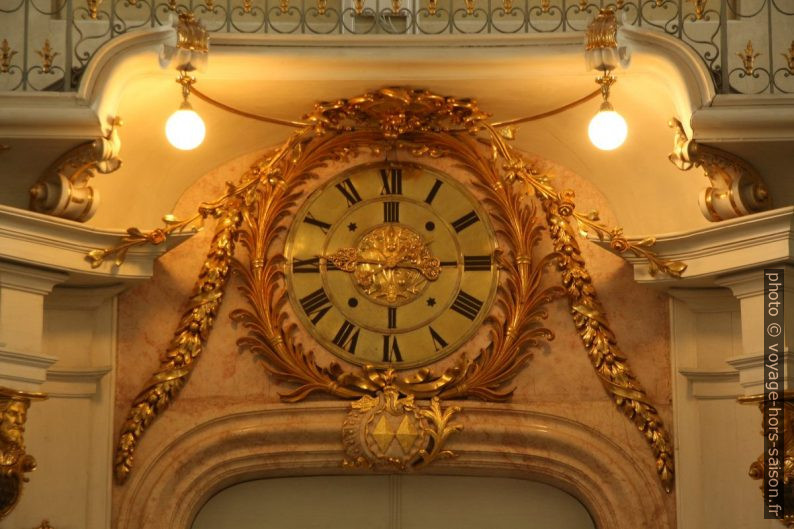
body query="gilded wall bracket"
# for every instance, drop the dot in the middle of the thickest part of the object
(15, 462)
(737, 188)
(64, 191)
(757, 467)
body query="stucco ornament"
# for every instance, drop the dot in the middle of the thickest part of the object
(256, 213)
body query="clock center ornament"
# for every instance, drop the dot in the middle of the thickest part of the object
(392, 267)
(391, 264)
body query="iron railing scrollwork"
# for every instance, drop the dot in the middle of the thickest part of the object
(747, 45)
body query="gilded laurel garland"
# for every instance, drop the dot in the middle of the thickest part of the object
(189, 339)
(386, 424)
(599, 341)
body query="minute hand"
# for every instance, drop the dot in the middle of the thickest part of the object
(346, 259)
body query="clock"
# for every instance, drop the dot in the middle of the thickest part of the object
(391, 265)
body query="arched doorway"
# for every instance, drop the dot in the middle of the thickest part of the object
(392, 502)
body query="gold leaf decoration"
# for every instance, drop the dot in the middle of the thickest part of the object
(257, 213)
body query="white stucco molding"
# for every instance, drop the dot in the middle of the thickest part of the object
(743, 118)
(750, 370)
(117, 62)
(674, 62)
(74, 382)
(62, 245)
(743, 243)
(711, 384)
(169, 487)
(85, 113)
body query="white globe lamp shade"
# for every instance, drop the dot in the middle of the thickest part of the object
(185, 129)
(608, 129)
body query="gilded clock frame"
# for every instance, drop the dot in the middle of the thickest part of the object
(253, 215)
(473, 327)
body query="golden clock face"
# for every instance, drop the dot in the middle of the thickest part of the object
(391, 265)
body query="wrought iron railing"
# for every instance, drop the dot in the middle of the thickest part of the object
(747, 45)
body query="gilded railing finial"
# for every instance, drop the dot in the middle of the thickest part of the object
(700, 8)
(790, 58)
(47, 55)
(469, 7)
(748, 56)
(6, 54)
(93, 8)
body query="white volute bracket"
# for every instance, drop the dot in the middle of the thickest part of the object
(23, 365)
(64, 190)
(737, 189)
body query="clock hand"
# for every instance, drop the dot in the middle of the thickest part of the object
(346, 259)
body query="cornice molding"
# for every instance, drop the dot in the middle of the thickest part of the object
(743, 243)
(711, 384)
(695, 78)
(739, 117)
(58, 244)
(74, 382)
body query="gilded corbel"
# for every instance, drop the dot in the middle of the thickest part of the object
(14, 461)
(64, 190)
(737, 189)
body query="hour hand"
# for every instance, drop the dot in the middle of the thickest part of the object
(344, 259)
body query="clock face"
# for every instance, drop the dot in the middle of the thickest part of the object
(391, 265)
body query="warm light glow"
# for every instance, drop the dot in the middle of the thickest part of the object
(185, 129)
(607, 129)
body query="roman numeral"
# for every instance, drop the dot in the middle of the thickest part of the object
(433, 191)
(316, 305)
(391, 351)
(309, 219)
(392, 181)
(346, 338)
(477, 263)
(467, 305)
(310, 266)
(306, 266)
(438, 342)
(465, 221)
(392, 318)
(391, 212)
(349, 192)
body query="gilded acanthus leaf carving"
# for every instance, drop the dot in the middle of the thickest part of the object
(257, 213)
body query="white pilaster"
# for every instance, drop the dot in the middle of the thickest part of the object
(748, 287)
(23, 364)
